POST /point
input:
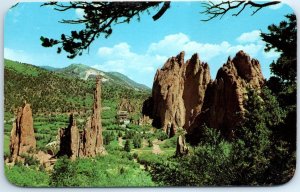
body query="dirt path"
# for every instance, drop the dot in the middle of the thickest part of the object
(45, 159)
(156, 149)
(120, 141)
(144, 143)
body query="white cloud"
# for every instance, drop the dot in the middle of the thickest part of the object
(121, 50)
(249, 37)
(104, 51)
(17, 55)
(169, 45)
(173, 44)
(142, 66)
(79, 13)
(120, 58)
(251, 49)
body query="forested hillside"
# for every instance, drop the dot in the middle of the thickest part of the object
(49, 91)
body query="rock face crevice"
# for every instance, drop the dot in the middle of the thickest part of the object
(178, 92)
(69, 140)
(224, 97)
(184, 95)
(197, 78)
(22, 139)
(89, 142)
(181, 147)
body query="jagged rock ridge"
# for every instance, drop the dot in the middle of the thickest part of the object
(184, 95)
(178, 92)
(224, 97)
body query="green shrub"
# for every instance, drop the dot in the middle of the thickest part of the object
(113, 146)
(135, 155)
(62, 172)
(150, 144)
(127, 146)
(26, 177)
(101, 171)
(207, 164)
(133, 127)
(108, 136)
(129, 134)
(137, 141)
(120, 134)
(170, 143)
(30, 160)
(161, 135)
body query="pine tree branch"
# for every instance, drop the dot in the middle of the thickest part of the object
(214, 10)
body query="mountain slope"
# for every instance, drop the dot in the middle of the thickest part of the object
(127, 80)
(85, 72)
(50, 91)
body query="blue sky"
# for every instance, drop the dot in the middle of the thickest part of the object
(138, 49)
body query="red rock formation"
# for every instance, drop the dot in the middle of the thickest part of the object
(69, 140)
(168, 105)
(88, 143)
(125, 105)
(224, 97)
(96, 125)
(178, 92)
(184, 95)
(145, 120)
(22, 139)
(197, 77)
(181, 148)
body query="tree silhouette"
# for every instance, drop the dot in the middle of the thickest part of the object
(100, 17)
(283, 38)
(127, 146)
(219, 9)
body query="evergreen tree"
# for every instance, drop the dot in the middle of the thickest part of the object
(137, 141)
(256, 147)
(283, 38)
(127, 146)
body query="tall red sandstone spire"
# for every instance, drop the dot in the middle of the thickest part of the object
(92, 135)
(22, 139)
(89, 142)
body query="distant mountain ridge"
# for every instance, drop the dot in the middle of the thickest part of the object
(61, 90)
(85, 72)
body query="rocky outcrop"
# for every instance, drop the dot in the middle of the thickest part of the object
(89, 142)
(92, 135)
(223, 105)
(184, 95)
(178, 92)
(125, 105)
(22, 139)
(167, 91)
(197, 77)
(69, 140)
(181, 148)
(144, 120)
